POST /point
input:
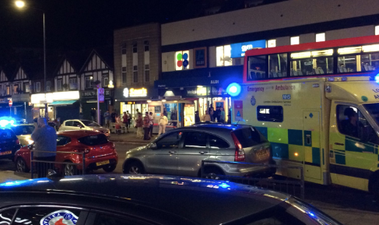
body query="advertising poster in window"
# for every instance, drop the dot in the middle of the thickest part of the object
(200, 57)
(238, 110)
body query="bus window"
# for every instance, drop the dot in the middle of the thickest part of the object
(257, 67)
(312, 63)
(277, 65)
(370, 62)
(347, 64)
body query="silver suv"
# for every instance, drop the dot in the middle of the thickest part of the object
(181, 152)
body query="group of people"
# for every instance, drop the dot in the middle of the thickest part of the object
(217, 115)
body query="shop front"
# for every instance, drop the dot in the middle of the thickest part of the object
(21, 107)
(61, 105)
(88, 101)
(133, 101)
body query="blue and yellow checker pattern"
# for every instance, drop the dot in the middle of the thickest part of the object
(294, 145)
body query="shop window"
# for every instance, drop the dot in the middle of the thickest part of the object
(270, 113)
(257, 67)
(195, 140)
(311, 63)
(73, 83)
(277, 65)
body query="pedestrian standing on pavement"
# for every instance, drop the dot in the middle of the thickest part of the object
(129, 118)
(163, 121)
(125, 120)
(146, 127)
(139, 124)
(222, 115)
(151, 117)
(45, 142)
(107, 118)
(206, 117)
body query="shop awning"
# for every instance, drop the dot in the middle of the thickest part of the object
(63, 102)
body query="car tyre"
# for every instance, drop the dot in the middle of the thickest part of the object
(134, 168)
(213, 173)
(109, 168)
(69, 170)
(21, 165)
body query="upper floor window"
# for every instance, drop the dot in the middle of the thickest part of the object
(16, 89)
(377, 30)
(59, 84)
(147, 73)
(147, 46)
(38, 86)
(88, 81)
(295, 40)
(105, 80)
(271, 43)
(135, 74)
(320, 37)
(8, 90)
(223, 56)
(123, 49)
(135, 48)
(73, 83)
(48, 86)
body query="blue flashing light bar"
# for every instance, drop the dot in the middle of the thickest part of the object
(377, 78)
(233, 89)
(5, 122)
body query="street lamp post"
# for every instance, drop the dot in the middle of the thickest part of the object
(21, 4)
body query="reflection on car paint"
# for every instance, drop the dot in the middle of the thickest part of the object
(59, 217)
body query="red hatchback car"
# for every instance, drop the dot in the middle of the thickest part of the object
(99, 152)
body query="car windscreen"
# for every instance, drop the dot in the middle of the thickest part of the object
(6, 134)
(23, 130)
(98, 139)
(249, 137)
(90, 123)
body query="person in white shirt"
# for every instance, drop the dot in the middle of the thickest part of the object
(163, 121)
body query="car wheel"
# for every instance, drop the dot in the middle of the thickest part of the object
(21, 165)
(69, 170)
(134, 168)
(213, 173)
(109, 168)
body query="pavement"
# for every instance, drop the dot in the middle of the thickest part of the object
(365, 215)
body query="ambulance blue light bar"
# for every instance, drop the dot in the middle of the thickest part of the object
(377, 78)
(4, 122)
(233, 89)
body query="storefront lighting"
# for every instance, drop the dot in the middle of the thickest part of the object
(163, 100)
(110, 85)
(141, 92)
(148, 100)
(199, 86)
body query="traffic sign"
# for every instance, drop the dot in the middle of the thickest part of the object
(101, 95)
(10, 102)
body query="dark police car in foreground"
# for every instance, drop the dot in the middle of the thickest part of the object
(137, 199)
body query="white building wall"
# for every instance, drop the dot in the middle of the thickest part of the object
(268, 17)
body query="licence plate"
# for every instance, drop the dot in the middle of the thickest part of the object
(102, 163)
(6, 153)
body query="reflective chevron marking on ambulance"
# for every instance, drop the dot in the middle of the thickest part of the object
(295, 145)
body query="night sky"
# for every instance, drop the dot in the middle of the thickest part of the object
(78, 24)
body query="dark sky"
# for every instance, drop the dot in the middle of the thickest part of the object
(78, 24)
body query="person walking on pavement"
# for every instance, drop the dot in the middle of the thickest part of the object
(45, 142)
(139, 124)
(107, 118)
(163, 121)
(125, 120)
(151, 117)
(146, 127)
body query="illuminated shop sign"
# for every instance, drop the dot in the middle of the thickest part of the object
(182, 59)
(141, 92)
(125, 92)
(238, 50)
(55, 96)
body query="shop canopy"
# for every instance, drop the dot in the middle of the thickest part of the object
(57, 103)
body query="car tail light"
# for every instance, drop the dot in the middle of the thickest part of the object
(239, 154)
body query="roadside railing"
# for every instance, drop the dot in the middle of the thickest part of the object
(62, 164)
(276, 183)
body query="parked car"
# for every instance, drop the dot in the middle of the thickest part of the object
(83, 125)
(23, 133)
(9, 143)
(122, 200)
(181, 152)
(99, 152)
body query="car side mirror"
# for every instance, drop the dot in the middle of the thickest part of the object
(31, 147)
(153, 145)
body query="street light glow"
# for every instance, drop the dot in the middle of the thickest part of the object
(19, 4)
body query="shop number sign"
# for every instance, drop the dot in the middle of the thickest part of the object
(101, 94)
